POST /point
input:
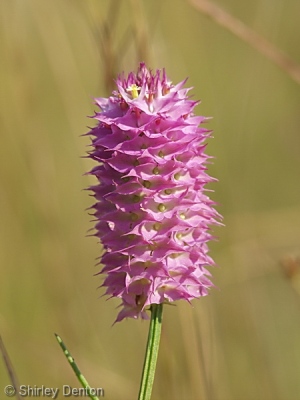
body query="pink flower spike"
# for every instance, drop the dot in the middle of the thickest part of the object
(152, 213)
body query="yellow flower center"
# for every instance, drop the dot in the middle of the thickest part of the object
(134, 89)
(161, 207)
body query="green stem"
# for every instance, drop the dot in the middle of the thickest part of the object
(75, 368)
(151, 352)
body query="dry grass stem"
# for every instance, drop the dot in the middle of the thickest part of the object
(249, 36)
(10, 369)
(140, 32)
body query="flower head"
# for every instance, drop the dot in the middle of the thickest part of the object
(152, 214)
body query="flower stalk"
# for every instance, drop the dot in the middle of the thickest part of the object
(151, 352)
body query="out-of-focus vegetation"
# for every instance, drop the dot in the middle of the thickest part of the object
(243, 341)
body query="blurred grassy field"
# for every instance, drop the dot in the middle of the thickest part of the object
(243, 341)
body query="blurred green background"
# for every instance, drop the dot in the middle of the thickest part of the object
(243, 341)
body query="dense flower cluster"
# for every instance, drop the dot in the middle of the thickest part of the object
(152, 215)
